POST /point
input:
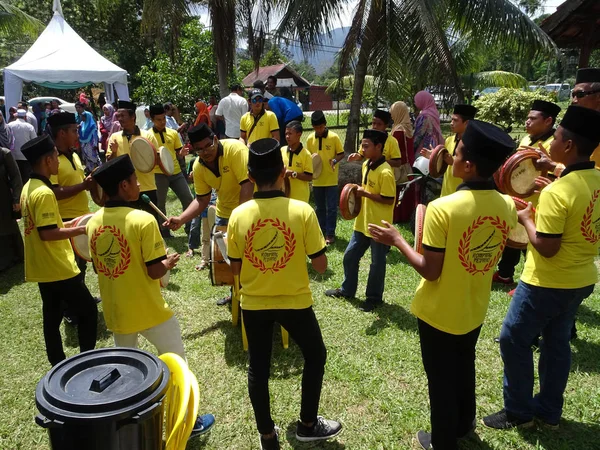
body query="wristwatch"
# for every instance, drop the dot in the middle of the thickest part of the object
(334, 161)
(294, 174)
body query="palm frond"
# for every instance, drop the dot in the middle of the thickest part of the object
(499, 78)
(14, 21)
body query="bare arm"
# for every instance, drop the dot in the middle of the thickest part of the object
(198, 205)
(63, 192)
(236, 267)
(246, 192)
(546, 246)
(319, 263)
(429, 265)
(299, 175)
(159, 269)
(375, 197)
(275, 135)
(243, 137)
(58, 234)
(395, 162)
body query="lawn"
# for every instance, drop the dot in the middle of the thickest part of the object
(374, 380)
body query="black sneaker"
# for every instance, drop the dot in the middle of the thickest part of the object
(503, 420)
(424, 440)
(224, 301)
(336, 293)
(270, 443)
(321, 429)
(98, 300)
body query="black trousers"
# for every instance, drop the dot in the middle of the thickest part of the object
(303, 327)
(508, 262)
(449, 362)
(80, 303)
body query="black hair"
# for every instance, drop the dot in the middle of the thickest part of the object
(259, 84)
(113, 189)
(272, 77)
(54, 130)
(266, 176)
(42, 157)
(484, 166)
(285, 92)
(585, 147)
(545, 115)
(295, 125)
(463, 117)
(235, 87)
(80, 104)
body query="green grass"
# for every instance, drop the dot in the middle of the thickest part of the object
(374, 380)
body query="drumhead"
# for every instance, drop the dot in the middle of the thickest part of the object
(437, 165)
(143, 154)
(165, 161)
(349, 203)
(81, 243)
(518, 237)
(519, 173)
(164, 280)
(419, 221)
(317, 165)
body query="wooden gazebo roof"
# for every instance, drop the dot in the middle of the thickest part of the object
(575, 24)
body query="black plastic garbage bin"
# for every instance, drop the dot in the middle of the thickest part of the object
(105, 399)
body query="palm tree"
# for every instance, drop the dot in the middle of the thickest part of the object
(14, 21)
(396, 37)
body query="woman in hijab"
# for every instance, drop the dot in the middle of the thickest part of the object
(402, 130)
(106, 122)
(10, 193)
(88, 138)
(428, 132)
(203, 115)
(7, 140)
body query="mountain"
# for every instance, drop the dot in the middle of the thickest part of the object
(322, 59)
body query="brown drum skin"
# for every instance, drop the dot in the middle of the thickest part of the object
(437, 165)
(219, 272)
(347, 191)
(419, 221)
(508, 169)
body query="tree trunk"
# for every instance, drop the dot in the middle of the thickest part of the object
(222, 74)
(359, 82)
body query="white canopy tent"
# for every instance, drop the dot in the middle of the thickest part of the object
(60, 59)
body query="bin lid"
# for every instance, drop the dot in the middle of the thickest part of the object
(108, 383)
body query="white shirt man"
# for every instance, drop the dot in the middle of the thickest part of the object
(231, 109)
(23, 132)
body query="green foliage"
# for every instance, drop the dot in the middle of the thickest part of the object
(193, 75)
(305, 70)
(507, 107)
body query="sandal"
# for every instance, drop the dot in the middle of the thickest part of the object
(189, 253)
(203, 265)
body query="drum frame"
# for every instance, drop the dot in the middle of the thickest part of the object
(159, 161)
(510, 165)
(345, 194)
(437, 153)
(131, 154)
(212, 273)
(419, 222)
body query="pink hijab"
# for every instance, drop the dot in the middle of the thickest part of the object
(425, 102)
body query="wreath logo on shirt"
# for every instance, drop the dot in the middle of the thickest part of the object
(270, 245)
(110, 252)
(28, 224)
(482, 244)
(590, 229)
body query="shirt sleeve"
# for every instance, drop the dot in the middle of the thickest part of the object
(45, 210)
(153, 246)
(200, 186)
(233, 246)
(314, 242)
(388, 184)
(240, 162)
(177, 142)
(551, 214)
(393, 148)
(273, 124)
(111, 139)
(220, 107)
(435, 227)
(243, 123)
(338, 145)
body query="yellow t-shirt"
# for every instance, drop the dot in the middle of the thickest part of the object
(470, 227)
(123, 242)
(146, 180)
(71, 174)
(265, 124)
(300, 162)
(450, 182)
(391, 149)
(596, 157)
(328, 147)
(231, 174)
(378, 178)
(272, 235)
(170, 139)
(568, 210)
(45, 261)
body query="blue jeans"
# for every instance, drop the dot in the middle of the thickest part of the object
(358, 245)
(551, 312)
(221, 221)
(326, 200)
(194, 236)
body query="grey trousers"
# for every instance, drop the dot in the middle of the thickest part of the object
(179, 185)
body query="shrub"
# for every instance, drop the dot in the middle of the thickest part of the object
(508, 107)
